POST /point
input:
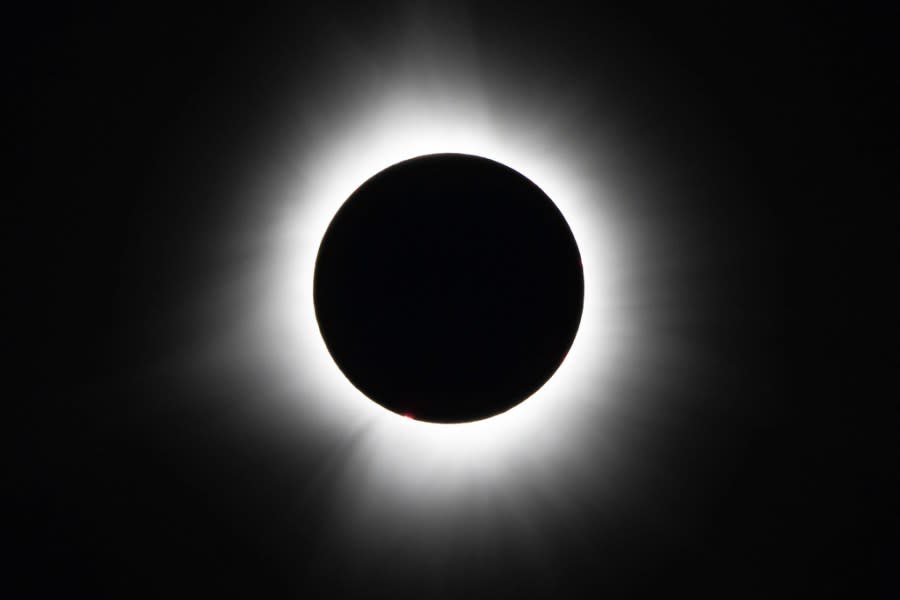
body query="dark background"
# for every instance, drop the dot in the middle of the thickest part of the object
(124, 123)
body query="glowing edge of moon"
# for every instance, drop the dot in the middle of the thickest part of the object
(410, 457)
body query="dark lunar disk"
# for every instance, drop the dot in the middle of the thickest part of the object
(448, 288)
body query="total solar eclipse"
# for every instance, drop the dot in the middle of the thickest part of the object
(448, 288)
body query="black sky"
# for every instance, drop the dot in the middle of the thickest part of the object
(128, 126)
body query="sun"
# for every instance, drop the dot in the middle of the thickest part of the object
(398, 455)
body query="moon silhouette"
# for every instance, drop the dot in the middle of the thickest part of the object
(448, 288)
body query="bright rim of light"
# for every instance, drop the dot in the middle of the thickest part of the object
(407, 459)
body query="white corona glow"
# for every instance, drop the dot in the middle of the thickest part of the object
(413, 459)
(403, 466)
